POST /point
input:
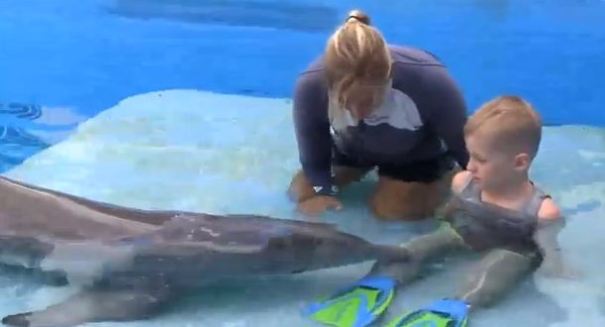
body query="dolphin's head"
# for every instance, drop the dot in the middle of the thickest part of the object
(315, 246)
(248, 245)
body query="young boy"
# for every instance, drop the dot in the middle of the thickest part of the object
(495, 210)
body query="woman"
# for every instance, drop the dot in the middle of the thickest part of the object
(366, 104)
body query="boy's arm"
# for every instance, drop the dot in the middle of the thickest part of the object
(459, 181)
(550, 223)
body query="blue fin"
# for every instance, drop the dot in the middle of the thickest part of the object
(355, 306)
(441, 313)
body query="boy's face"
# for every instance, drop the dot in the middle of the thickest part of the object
(491, 167)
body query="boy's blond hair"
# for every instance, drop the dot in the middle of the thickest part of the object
(511, 121)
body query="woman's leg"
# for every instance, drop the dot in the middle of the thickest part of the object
(414, 191)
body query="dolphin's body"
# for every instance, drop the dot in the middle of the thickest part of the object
(129, 261)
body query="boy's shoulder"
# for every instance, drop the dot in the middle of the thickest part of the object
(460, 180)
(549, 210)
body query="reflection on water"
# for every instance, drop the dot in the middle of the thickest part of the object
(25, 129)
(271, 14)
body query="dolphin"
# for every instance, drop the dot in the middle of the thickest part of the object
(129, 262)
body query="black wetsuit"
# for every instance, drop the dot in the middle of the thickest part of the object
(420, 122)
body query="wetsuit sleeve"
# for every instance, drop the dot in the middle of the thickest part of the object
(447, 113)
(312, 129)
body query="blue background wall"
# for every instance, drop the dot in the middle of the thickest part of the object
(90, 54)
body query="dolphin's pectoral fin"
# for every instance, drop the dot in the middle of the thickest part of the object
(94, 305)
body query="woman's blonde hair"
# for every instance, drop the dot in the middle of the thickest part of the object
(357, 63)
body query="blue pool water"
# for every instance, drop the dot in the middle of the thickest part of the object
(82, 103)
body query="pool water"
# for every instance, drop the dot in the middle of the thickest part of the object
(224, 169)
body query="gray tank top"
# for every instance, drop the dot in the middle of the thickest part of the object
(483, 225)
(472, 192)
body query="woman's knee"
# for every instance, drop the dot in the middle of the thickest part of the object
(394, 199)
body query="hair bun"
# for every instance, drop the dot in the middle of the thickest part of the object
(359, 16)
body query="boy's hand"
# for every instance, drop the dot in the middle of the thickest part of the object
(316, 205)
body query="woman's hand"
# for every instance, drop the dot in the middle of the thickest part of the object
(316, 205)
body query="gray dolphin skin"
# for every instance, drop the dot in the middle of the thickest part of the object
(128, 263)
